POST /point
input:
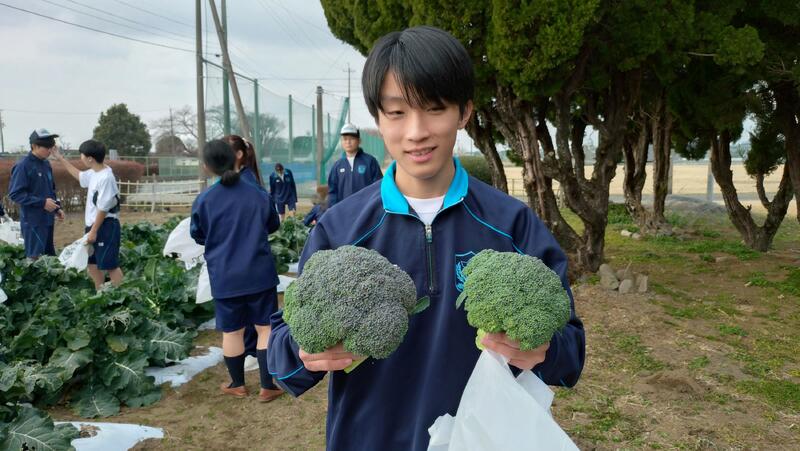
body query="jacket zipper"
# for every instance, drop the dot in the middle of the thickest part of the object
(431, 260)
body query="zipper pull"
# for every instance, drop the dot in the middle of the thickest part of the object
(428, 233)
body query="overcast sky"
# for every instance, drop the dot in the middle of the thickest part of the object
(60, 77)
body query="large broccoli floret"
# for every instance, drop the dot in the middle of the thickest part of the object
(514, 293)
(351, 295)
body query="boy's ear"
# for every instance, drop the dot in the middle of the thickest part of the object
(467, 114)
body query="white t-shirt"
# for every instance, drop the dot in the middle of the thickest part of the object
(426, 208)
(351, 160)
(101, 195)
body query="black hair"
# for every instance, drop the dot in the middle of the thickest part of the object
(220, 159)
(250, 160)
(278, 167)
(94, 149)
(430, 65)
(48, 143)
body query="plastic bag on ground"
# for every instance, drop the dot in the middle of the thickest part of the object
(203, 293)
(76, 255)
(3, 297)
(498, 411)
(10, 233)
(183, 245)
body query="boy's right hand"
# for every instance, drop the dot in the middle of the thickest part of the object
(334, 359)
(56, 153)
(50, 205)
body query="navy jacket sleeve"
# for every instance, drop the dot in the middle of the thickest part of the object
(19, 190)
(311, 216)
(376, 171)
(565, 357)
(283, 353)
(293, 197)
(273, 220)
(195, 226)
(272, 184)
(332, 182)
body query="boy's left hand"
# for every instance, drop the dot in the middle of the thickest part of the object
(92, 237)
(524, 360)
(60, 214)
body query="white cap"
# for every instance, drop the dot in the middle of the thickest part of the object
(350, 129)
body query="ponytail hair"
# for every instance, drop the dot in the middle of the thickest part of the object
(249, 161)
(220, 159)
(229, 177)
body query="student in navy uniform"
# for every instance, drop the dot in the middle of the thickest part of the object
(33, 188)
(2, 213)
(102, 211)
(313, 216)
(247, 166)
(233, 219)
(283, 190)
(354, 171)
(428, 216)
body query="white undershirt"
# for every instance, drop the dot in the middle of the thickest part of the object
(351, 160)
(426, 208)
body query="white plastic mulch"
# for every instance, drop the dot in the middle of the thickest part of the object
(184, 370)
(113, 436)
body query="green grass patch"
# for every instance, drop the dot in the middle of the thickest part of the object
(726, 329)
(637, 354)
(699, 362)
(734, 248)
(618, 215)
(781, 394)
(789, 285)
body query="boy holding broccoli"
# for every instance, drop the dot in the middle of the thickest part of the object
(418, 85)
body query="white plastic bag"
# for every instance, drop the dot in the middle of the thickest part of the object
(3, 297)
(76, 255)
(203, 286)
(498, 411)
(180, 242)
(10, 233)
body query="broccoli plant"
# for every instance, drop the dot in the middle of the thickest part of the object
(353, 296)
(516, 294)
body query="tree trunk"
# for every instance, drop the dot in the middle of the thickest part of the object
(762, 193)
(516, 122)
(756, 237)
(661, 133)
(480, 129)
(787, 102)
(635, 154)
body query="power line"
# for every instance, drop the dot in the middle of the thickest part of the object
(104, 19)
(186, 38)
(155, 14)
(142, 41)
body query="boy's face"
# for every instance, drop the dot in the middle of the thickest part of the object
(42, 152)
(86, 160)
(420, 139)
(350, 143)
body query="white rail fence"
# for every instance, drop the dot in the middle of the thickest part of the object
(155, 194)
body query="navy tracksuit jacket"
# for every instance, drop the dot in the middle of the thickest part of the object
(343, 181)
(389, 404)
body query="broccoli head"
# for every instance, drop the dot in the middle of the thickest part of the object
(351, 295)
(516, 294)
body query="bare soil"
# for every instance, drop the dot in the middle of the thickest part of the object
(707, 359)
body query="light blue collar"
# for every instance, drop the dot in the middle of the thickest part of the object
(395, 202)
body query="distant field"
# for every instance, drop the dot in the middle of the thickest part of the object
(687, 180)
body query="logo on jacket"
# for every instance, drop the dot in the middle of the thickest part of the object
(461, 263)
(341, 170)
(362, 169)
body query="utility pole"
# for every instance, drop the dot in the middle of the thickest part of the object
(291, 134)
(349, 71)
(226, 98)
(226, 60)
(2, 141)
(320, 163)
(201, 107)
(171, 134)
